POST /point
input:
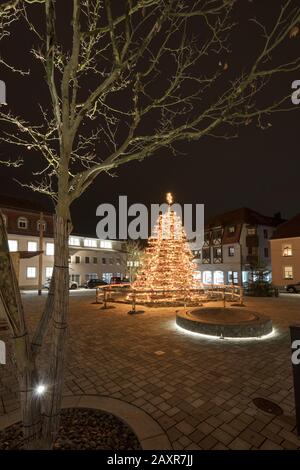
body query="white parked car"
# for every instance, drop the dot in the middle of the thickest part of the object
(72, 284)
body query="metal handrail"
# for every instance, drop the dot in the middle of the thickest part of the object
(205, 292)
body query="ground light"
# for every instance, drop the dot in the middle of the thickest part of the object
(273, 334)
(40, 389)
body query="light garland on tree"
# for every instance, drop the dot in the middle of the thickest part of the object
(168, 271)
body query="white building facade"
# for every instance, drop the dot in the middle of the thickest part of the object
(89, 257)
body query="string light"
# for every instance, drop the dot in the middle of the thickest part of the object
(168, 270)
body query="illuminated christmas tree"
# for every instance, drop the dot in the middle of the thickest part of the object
(168, 262)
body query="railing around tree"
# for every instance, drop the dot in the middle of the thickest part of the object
(205, 293)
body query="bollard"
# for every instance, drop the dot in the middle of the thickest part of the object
(105, 299)
(133, 302)
(295, 344)
(241, 295)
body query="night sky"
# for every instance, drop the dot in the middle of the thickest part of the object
(259, 169)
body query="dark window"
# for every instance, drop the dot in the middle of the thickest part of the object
(206, 255)
(249, 250)
(95, 260)
(87, 259)
(77, 259)
(103, 260)
(266, 250)
(231, 251)
(265, 233)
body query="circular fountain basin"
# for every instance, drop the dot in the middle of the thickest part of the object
(226, 322)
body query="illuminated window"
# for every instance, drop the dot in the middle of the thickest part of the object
(48, 271)
(233, 277)
(218, 277)
(13, 245)
(22, 222)
(288, 272)
(207, 277)
(231, 229)
(31, 272)
(74, 241)
(90, 242)
(287, 250)
(231, 251)
(32, 246)
(107, 277)
(105, 244)
(49, 249)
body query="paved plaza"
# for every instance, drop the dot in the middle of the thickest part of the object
(199, 390)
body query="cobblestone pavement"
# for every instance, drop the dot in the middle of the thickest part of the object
(199, 390)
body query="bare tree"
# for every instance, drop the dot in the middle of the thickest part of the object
(136, 79)
(133, 259)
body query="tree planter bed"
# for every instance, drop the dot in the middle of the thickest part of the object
(81, 429)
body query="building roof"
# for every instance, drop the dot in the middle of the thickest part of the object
(12, 202)
(289, 229)
(242, 215)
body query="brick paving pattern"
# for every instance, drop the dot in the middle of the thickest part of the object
(199, 390)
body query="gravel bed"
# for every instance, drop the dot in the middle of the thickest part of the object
(81, 429)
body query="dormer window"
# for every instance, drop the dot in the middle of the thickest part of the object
(22, 223)
(231, 229)
(38, 224)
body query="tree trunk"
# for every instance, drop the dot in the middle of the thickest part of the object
(59, 330)
(30, 401)
(26, 367)
(40, 332)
